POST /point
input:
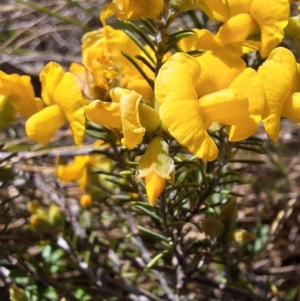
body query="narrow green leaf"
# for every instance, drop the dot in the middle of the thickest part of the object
(148, 212)
(174, 38)
(134, 63)
(183, 185)
(146, 62)
(149, 25)
(139, 44)
(156, 258)
(153, 234)
(249, 148)
(141, 34)
(248, 161)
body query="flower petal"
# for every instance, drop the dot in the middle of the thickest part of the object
(176, 78)
(183, 120)
(220, 9)
(50, 77)
(19, 90)
(156, 159)
(278, 75)
(68, 95)
(291, 108)
(237, 28)
(251, 86)
(104, 113)
(42, 125)
(272, 17)
(218, 69)
(77, 126)
(228, 106)
(129, 101)
(130, 10)
(154, 186)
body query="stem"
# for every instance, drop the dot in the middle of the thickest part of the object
(162, 37)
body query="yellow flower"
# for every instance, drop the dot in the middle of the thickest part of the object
(86, 200)
(16, 96)
(253, 17)
(108, 67)
(80, 170)
(156, 166)
(126, 113)
(194, 94)
(185, 5)
(132, 9)
(64, 101)
(280, 78)
(235, 76)
(228, 37)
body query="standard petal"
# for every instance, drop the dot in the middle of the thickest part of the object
(201, 39)
(184, 122)
(278, 75)
(291, 108)
(68, 95)
(220, 9)
(176, 78)
(218, 69)
(236, 29)
(50, 77)
(250, 83)
(272, 17)
(42, 125)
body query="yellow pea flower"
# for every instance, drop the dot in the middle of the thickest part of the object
(267, 18)
(185, 5)
(80, 168)
(226, 37)
(107, 67)
(76, 171)
(281, 82)
(16, 96)
(64, 101)
(191, 100)
(235, 76)
(156, 166)
(132, 9)
(126, 113)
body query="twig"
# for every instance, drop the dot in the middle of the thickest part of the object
(33, 272)
(228, 289)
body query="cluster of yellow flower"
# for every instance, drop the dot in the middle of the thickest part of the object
(187, 97)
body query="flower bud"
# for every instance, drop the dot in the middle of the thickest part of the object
(156, 166)
(239, 237)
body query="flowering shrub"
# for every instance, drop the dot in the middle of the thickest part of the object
(172, 108)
